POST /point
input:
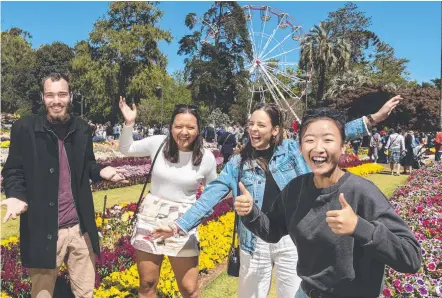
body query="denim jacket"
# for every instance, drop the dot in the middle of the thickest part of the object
(286, 164)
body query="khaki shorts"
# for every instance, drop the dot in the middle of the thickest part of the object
(76, 251)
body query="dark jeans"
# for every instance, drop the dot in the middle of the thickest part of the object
(438, 156)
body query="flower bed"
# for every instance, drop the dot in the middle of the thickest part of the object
(351, 160)
(419, 203)
(366, 169)
(116, 274)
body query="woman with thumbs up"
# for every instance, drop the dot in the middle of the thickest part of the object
(265, 166)
(344, 228)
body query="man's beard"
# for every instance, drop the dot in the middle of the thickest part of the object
(59, 119)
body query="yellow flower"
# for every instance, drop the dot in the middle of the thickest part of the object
(5, 144)
(126, 215)
(99, 222)
(366, 169)
(10, 241)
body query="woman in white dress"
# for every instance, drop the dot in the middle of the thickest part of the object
(182, 164)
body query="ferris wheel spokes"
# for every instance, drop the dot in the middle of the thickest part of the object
(279, 92)
(280, 54)
(270, 39)
(283, 86)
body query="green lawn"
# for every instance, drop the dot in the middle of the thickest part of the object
(114, 196)
(226, 287)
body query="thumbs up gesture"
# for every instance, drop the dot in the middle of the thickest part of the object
(344, 221)
(243, 203)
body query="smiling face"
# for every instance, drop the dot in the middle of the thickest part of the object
(261, 130)
(185, 131)
(56, 98)
(322, 146)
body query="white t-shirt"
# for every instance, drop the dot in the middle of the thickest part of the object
(177, 182)
(395, 142)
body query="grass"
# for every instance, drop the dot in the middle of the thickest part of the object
(114, 196)
(226, 287)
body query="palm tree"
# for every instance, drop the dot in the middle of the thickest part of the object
(323, 52)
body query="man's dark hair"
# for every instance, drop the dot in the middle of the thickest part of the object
(54, 77)
(323, 113)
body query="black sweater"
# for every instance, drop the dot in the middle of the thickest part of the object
(340, 265)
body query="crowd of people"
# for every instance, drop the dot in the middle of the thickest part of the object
(109, 132)
(319, 231)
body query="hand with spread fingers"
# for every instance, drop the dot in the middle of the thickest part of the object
(129, 114)
(14, 207)
(114, 174)
(344, 221)
(243, 203)
(386, 109)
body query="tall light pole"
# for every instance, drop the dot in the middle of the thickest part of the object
(159, 93)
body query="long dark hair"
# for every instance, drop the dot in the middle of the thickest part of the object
(248, 153)
(170, 150)
(408, 140)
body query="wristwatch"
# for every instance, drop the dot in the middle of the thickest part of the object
(370, 118)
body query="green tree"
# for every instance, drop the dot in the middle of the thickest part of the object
(55, 57)
(121, 57)
(174, 91)
(17, 61)
(436, 82)
(216, 53)
(324, 53)
(386, 68)
(352, 25)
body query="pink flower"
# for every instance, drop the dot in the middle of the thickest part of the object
(387, 292)
(431, 267)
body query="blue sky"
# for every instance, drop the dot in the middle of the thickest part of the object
(412, 28)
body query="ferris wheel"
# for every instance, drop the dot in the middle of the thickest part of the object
(276, 47)
(276, 43)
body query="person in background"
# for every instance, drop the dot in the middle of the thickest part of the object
(116, 131)
(375, 144)
(395, 146)
(408, 160)
(227, 142)
(356, 144)
(438, 146)
(346, 231)
(209, 134)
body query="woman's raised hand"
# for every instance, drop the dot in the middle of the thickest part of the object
(128, 113)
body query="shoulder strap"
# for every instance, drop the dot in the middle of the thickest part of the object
(235, 225)
(226, 139)
(148, 177)
(391, 143)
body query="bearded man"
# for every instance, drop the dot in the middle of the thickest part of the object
(47, 182)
